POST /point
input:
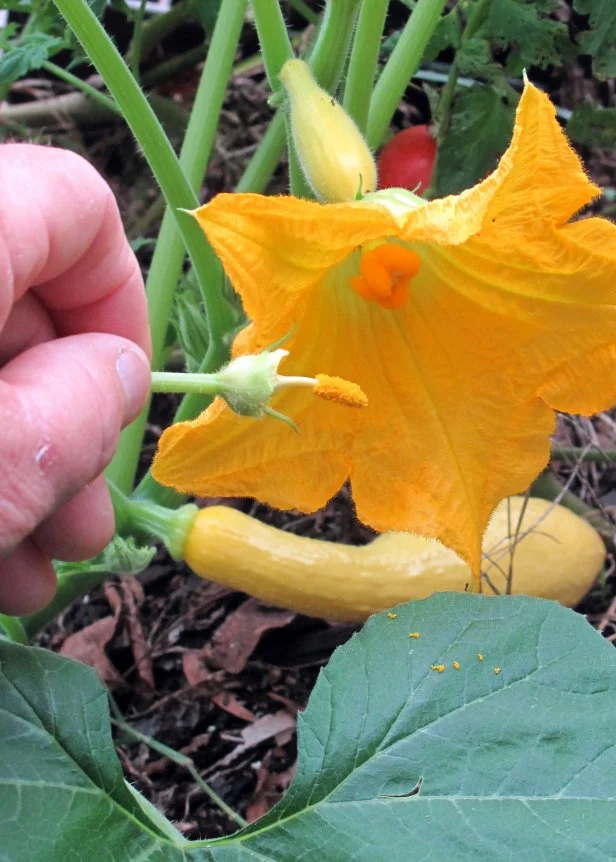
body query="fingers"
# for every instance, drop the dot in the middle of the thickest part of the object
(80, 528)
(63, 233)
(28, 325)
(27, 580)
(62, 406)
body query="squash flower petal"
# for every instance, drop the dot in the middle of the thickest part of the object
(466, 321)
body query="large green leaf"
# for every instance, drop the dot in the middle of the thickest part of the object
(398, 761)
(480, 131)
(62, 793)
(600, 40)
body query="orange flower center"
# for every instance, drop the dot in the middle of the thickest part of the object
(385, 273)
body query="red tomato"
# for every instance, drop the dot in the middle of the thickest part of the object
(407, 160)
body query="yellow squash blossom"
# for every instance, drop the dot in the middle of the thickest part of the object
(466, 321)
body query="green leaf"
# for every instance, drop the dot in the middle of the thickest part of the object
(600, 40)
(446, 35)
(593, 127)
(29, 53)
(475, 60)
(528, 28)
(516, 765)
(396, 760)
(478, 134)
(62, 793)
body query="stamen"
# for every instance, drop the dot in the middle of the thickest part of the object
(339, 390)
(385, 273)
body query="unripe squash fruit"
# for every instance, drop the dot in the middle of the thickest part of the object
(558, 556)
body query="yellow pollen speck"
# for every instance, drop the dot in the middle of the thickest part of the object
(479, 656)
(339, 390)
(439, 668)
(456, 665)
(498, 670)
(414, 635)
(392, 616)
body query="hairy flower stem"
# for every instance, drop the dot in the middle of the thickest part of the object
(400, 67)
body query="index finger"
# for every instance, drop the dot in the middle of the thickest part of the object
(61, 236)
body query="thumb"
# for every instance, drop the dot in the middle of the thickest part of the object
(62, 406)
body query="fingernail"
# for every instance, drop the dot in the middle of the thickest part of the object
(134, 374)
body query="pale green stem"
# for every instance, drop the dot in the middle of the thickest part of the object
(180, 760)
(276, 49)
(79, 84)
(166, 266)
(135, 57)
(401, 66)
(155, 146)
(13, 629)
(305, 10)
(328, 57)
(201, 384)
(364, 60)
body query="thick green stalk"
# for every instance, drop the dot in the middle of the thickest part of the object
(79, 84)
(273, 38)
(166, 266)
(400, 67)
(155, 145)
(276, 49)
(364, 59)
(328, 57)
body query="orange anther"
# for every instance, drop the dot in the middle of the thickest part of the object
(385, 273)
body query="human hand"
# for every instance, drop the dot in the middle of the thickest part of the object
(72, 312)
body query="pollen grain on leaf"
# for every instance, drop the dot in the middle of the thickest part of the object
(339, 390)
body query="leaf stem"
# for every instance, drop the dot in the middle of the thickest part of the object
(401, 66)
(276, 49)
(580, 453)
(179, 759)
(166, 266)
(156, 148)
(448, 92)
(13, 629)
(364, 60)
(82, 85)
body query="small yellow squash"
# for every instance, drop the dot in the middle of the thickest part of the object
(558, 556)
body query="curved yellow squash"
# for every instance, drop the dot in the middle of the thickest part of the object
(558, 556)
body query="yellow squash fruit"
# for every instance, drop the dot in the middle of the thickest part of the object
(558, 556)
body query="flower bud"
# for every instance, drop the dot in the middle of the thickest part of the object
(332, 153)
(248, 382)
